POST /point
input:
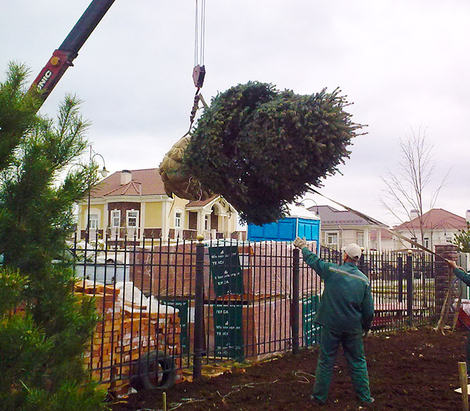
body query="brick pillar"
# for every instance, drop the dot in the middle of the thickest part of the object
(449, 252)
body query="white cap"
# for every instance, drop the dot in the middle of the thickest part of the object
(353, 251)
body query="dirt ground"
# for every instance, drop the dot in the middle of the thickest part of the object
(409, 370)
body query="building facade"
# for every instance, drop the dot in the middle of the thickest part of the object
(340, 228)
(436, 227)
(132, 204)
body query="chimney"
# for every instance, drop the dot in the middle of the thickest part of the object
(126, 177)
(413, 214)
(467, 216)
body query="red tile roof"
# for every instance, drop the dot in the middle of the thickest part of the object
(200, 203)
(437, 218)
(144, 182)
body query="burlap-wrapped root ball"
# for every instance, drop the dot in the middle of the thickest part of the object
(176, 180)
(262, 148)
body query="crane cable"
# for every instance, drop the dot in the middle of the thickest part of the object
(199, 70)
(200, 33)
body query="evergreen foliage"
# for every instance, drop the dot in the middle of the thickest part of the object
(44, 327)
(17, 111)
(262, 148)
(462, 240)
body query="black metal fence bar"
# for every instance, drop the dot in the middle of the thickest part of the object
(409, 286)
(199, 311)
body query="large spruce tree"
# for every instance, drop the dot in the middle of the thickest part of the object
(44, 327)
(262, 148)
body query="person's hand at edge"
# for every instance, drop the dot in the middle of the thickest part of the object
(452, 264)
(300, 243)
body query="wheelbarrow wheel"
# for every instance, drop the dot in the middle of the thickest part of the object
(154, 370)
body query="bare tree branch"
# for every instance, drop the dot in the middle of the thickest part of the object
(407, 187)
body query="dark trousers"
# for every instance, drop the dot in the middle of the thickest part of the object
(353, 348)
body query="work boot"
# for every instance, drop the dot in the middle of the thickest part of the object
(368, 402)
(316, 400)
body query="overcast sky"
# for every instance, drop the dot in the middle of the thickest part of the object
(403, 63)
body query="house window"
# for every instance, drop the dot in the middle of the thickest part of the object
(331, 239)
(93, 221)
(413, 239)
(115, 218)
(426, 242)
(178, 217)
(206, 222)
(360, 239)
(132, 218)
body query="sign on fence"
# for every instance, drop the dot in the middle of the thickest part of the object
(311, 330)
(226, 271)
(185, 318)
(228, 331)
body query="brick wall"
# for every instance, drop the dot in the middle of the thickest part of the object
(443, 274)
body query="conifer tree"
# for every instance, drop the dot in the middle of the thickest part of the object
(262, 148)
(44, 326)
(462, 239)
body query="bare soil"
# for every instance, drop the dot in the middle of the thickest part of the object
(409, 370)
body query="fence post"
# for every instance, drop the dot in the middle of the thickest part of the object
(400, 277)
(362, 265)
(295, 301)
(199, 309)
(409, 284)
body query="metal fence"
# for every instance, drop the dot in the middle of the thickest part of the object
(187, 303)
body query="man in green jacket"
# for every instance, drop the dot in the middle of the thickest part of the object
(345, 312)
(465, 277)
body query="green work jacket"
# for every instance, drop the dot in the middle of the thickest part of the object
(346, 303)
(462, 275)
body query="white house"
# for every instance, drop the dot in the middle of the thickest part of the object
(439, 227)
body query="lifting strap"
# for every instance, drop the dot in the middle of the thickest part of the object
(197, 98)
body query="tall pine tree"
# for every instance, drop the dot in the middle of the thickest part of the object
(44, 327)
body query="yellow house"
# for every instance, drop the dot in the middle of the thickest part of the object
(133, 204)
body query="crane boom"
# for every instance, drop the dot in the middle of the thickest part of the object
(63, 57)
